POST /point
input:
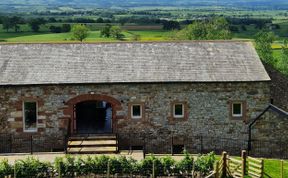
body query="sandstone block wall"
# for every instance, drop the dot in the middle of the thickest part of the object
(207, 108)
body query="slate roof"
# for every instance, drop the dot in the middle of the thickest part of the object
(198, 61)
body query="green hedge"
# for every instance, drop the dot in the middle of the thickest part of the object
(77, 166)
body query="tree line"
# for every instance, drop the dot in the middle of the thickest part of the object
(263, 43)
(13, 23)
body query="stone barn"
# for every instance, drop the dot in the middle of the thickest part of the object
(161, 96)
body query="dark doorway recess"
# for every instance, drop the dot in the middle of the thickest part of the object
(93, 117)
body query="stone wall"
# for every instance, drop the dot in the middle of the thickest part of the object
(279, 87)
(269, 135)
(207, 108)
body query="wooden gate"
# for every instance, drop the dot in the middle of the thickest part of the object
(239, 168)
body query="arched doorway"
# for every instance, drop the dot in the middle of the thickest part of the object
(93, 117)
(92, 113)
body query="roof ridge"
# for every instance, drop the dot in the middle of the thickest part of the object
(128, 42)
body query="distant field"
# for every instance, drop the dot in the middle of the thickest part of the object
(91, 26)
(94, 36)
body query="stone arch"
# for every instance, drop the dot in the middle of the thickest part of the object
(116, 106)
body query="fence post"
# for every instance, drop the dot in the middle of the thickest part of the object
(201, 142)
(11, 143)
(217, 169)
(31, 144)
(282, 169)
(59, 170)
(262, 168)
(15, 172)
(224, 168)
(193, 169)
(244, 158)
(172, 143)
(108, 169)
(144, 148)
(130, 146)
(153, 169)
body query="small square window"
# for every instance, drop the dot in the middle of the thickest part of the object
(178, 110)
(30, 116)
(237, 110)
(136, 111)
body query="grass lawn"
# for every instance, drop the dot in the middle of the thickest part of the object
(272, 168)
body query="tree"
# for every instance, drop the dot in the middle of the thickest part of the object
(106, 31)
(233, 28)
(100, 20)
(80, 32)
(116, 32)
(123, 21)
(36, 23)
(6, 24)
(111, 31)
(195, 31)
(35, 26)
(243, 28)
(66, 28)
(171, 25)
(52, 20)
(215, 29)
(264, 40)
(283, 63)
(218, 29)
(55, 29)
(15, 21)
(12, 23)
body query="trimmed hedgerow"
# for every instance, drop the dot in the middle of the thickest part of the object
(31, 167)
(79, 166)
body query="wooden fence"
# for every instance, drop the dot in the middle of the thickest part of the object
(239, 168)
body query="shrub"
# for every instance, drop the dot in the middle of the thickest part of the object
(80, 167)
(65, 166)
(90, 167)
(123, 166)
(169, 165)
(31, 167)
(146, 166)
(5, 168)
(204, 163)
(185, 166)
(102, 164)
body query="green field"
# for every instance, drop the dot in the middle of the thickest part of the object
(94, 36)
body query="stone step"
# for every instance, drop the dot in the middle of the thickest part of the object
(98, 137)
(90, 150)
(92, 143)
(93, 137)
